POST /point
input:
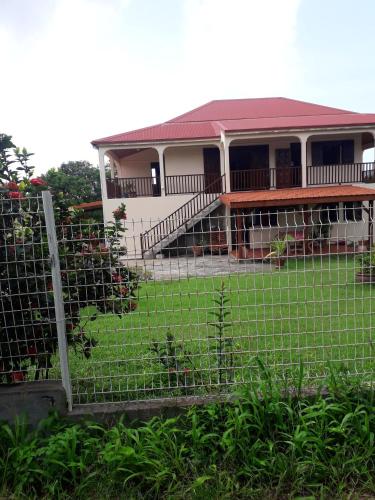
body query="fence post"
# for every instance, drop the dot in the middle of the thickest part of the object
(58, 296)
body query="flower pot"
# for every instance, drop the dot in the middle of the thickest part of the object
(365, 278)
(197, 250)
(279, 262)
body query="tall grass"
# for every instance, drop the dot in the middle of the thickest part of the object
(269, 443)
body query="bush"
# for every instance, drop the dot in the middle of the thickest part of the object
(90, 262)
(265, 444)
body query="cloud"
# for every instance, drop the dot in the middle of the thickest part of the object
(241, 48)
(81, 69)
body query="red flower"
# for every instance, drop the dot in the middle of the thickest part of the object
(117, 278)
(132, 306)
(123, 290)
(31, 350)
(12, 186)
(38, 182)
(17, 376)
(16, 195)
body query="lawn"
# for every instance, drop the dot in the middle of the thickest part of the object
(312, 310)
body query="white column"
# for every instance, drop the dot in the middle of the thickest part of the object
(160, 150)
(103, 181)
(303, 139)
(272, 165)
(226, 142)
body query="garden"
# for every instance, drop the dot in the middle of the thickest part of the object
(312, 310)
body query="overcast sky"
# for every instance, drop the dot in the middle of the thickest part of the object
(76, 70)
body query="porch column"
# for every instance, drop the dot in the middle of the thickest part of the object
(103, 181)
(160, 150)
(226, 142)
(303, 139)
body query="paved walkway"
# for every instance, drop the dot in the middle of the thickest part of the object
(185, 267)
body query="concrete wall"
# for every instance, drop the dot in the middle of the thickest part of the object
(33, 400)
(142, 214)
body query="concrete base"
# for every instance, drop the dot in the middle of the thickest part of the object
(34, 400)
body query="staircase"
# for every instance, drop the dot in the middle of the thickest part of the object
(183, 219)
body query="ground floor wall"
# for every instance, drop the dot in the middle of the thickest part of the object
(142, 215)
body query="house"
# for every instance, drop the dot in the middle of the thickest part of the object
(241, 157)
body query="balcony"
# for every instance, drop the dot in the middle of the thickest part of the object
(350, 173)
(242, 180)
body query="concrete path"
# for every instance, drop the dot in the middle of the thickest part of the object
(186, 267)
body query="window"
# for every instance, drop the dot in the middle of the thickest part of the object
(353, 211)
(332, 152)
(263, 217)
(329, 213)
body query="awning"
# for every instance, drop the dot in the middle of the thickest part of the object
(297, 196)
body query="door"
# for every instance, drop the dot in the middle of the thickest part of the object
(155, 174)
(283, 168)
(212, 173)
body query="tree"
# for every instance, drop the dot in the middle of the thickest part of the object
(91, 270)
(78, 180)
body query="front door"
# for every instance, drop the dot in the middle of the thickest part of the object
(283, 168)
(212, 174)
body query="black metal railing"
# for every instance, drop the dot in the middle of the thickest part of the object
(191, 183)
(347, 173)
(182, 215)
(133, 187)
(265, 178)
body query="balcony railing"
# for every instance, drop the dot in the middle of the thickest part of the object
(348, 173)
(192, 183)
(242, 180)
(133, 187)
(265, 178)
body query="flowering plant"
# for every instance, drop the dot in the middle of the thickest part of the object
(89, 259)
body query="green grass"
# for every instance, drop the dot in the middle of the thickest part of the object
(311, 310)
(265, 444)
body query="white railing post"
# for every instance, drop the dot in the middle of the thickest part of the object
(58, 295)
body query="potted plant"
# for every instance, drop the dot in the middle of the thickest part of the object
(198, 247)
(367, 267)
(278, 249)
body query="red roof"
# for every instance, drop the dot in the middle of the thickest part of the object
(241, 115)
(297, 196)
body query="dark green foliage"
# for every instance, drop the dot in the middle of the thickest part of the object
(78, 180)
(91, 271)
(266, 444)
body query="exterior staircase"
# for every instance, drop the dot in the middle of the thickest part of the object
(184, 218)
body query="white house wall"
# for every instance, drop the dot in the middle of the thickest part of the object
(184, 160)
(142, 214)
(138, 164)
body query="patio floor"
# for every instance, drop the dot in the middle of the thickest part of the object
(208, 265)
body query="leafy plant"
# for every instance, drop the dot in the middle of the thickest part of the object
(267, 443)
(279, 246)
(223, 345)
(176, 362)
(366, 261)
(91, 271)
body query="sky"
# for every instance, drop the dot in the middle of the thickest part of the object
(77, 70)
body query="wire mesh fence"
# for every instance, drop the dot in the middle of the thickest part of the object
(231, 291)
(282, 287)
(28, 337)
